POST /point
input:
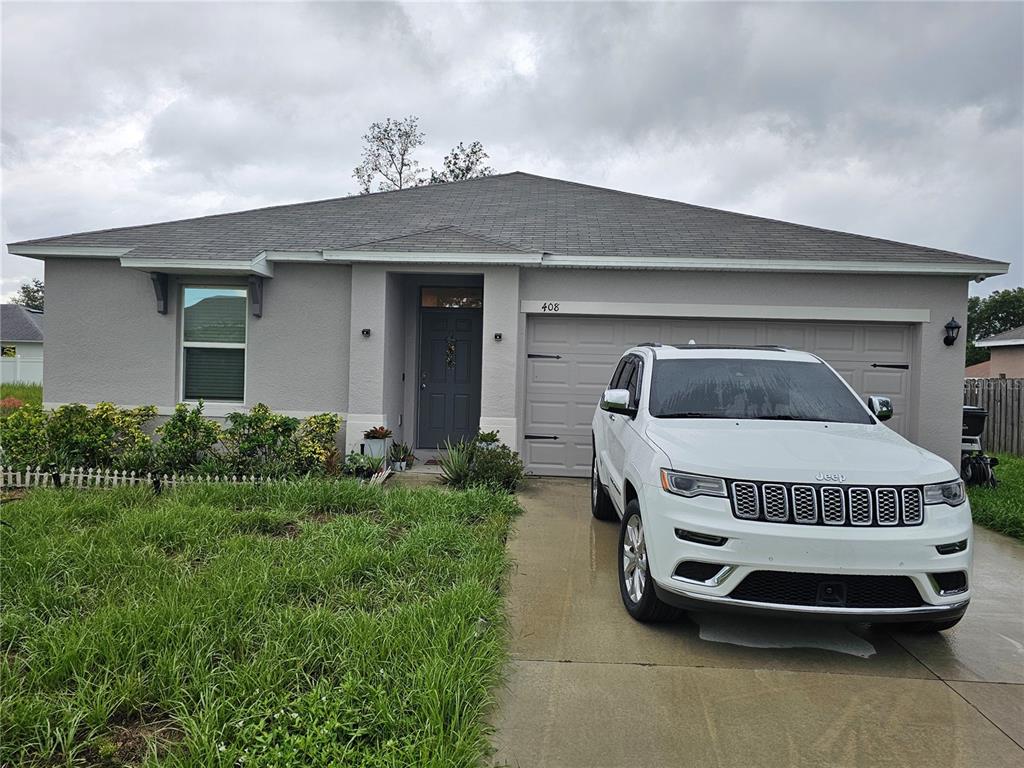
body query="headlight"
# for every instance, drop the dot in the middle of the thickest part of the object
(951, 493)
(685, 484)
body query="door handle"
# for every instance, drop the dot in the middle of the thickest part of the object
(423, 386)
(611, 417)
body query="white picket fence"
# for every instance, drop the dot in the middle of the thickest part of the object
(83, 477)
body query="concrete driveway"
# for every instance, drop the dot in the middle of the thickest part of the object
(590, 687)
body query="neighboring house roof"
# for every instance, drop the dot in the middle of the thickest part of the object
(20, 324)
(1011, 338)
(507, 213)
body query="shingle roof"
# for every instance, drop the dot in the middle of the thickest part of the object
(1012, 335)
(516, 211)
(20, 324)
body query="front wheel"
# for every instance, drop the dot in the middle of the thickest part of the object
(635, 582)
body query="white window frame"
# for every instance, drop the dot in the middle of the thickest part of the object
(224, 405)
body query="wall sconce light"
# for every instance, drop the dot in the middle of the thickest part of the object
(497, 337)
(365, 332)
(952, 331)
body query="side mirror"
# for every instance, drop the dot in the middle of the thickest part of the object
(617, 401)
(881, 407)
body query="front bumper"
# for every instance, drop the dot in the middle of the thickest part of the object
(811, 549)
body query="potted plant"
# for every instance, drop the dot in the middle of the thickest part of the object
(398, 453)
(410, 459)
(487, 439)
(377, 441)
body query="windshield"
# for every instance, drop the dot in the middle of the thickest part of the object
(725, 388)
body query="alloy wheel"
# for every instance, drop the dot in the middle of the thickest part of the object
(634, 559)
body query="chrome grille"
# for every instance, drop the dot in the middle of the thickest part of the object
(776, 502)
(805, 504)
(913, 508)
(860, 506)
(744, 501)
(814, 504)
(833, 506)
(887, 505)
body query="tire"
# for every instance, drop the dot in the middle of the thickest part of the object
(636, 585)
(923, 627)
(600, 504)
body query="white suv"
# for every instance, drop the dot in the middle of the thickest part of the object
(754, 478)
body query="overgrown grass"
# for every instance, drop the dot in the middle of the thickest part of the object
(1002, 508)
(317, 623)
(30, 394)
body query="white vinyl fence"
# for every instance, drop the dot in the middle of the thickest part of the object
(22, 369)
(81, 477)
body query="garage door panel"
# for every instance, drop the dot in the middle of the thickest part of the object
(561, 394)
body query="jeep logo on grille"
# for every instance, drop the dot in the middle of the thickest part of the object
(830, 477)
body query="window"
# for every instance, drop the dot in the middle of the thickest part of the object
(8, 351)
(614, 383)
(466, 297)
(730, 388)
(213, 344)
(633, 383)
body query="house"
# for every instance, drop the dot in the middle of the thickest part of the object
(501, 302)
(21, 344)
(1007, 360)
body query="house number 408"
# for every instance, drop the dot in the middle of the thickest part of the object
(549, 306)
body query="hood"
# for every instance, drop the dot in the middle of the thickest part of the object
(797, 452)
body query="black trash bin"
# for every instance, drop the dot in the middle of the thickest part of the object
(974, 420)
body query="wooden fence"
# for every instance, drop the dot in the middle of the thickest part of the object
(82, 477)
(1004, 401)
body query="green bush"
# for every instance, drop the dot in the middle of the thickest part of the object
(467, 464)
(261, 442)
(361, 465)
(315, 446)
(24, 437)
(498, 468)
(187, 440)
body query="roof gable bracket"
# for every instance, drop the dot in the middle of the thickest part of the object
(256, 295)
(160, 287)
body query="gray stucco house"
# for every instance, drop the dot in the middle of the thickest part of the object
(501, 303)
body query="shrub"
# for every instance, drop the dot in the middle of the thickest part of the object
(129, 447)
(9, 405)
(315, 443)
(361, 465)
(187, 440)
(498, 468)
(456, 464)
(24, 438)
(487, 437)
(260, 442)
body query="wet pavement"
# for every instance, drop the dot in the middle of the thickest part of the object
(588, 686)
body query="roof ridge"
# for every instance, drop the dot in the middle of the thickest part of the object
(753, 216)
(275, 207)
(453, 227)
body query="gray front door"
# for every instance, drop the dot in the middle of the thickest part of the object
(451, 341)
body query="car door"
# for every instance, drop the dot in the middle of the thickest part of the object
(621, 432)
(616, 428)
(602, 428)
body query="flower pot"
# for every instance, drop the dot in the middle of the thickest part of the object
(487, 446)
(398, 466)
(376, 448)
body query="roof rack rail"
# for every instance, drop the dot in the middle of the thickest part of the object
(649, 344)
(773, 347)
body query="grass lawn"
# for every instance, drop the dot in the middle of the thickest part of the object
(27, 393)
(1002, 508)
(317, 623)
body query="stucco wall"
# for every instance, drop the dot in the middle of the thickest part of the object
(936, 370)
(298, 351)
(104, 337)
(1007, 361)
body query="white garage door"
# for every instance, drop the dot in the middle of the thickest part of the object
(571, 359)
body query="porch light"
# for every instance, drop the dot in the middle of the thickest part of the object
(952, 331)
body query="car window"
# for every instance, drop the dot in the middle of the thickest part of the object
(730, 388)
(613, 383)
(624, 374)
(633, 383)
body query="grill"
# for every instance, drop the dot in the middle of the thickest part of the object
(827, 504)
(828, 590)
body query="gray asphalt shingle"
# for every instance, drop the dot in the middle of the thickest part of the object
(512, 212)
(20, 324)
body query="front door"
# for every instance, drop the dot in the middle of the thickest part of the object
(451, 341)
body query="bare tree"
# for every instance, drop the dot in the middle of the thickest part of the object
(463, 163)
(387, 156)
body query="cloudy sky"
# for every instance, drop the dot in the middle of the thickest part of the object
(901, 121)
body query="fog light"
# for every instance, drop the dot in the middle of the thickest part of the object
(700, 538)
(952, 548)
(952, 583)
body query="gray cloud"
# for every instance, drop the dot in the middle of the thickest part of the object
(897, 120)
